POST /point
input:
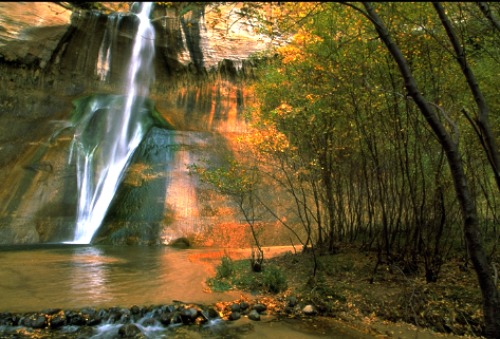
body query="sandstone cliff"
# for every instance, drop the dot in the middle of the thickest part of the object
(51, 55)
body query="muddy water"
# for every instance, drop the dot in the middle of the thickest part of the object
(33, 278)
(38, 277)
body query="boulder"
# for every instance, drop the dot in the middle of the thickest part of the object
(135, 309)
(75, 318)
(244, 306)
(260, 307)
(58, 320)
(189, 315)
(235, 307)
(254, 315)
(166, 318)
(129, 331)
(8, 319)
(234, 316)
(210, 313)
(35, 321)
(309, 310)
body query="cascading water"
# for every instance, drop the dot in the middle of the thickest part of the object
(108, 130)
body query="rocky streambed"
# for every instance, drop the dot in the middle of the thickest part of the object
(176, 320)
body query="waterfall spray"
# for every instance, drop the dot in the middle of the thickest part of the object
(109, 130)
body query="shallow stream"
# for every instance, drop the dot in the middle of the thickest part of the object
(35, 278)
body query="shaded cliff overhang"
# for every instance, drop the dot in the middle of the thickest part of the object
(31, 31)
(54, 39)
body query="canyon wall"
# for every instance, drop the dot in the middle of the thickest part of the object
(51, 55)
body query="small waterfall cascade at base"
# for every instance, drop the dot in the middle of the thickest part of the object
(108, 129)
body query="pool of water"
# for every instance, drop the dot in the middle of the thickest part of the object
(35, 278)
(69, 276)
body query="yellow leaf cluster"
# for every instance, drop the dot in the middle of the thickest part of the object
(269, 140)
(306, 37)
(291, 53)
(312, 97)
(284, 109)
(295, 52)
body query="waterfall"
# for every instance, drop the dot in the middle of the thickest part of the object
(104, 57)
(109, 128)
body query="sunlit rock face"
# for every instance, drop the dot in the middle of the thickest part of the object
(50, 56)
(29, 33)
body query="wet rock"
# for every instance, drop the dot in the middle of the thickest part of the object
(254, 315)
(51, 311)
(165, 318)
(155, 312)
(176, 318)
(92, 321)
(260, 307)
(136, 313)
(244, 306)
(35, 321)
(135, 309)
(91, 316)
(83, 321)
(168, 308)
(210, 313)
(125, 318)
(85, 332)
(58, 320)
(88, 310)
(119, 315)
(235, 307)
(292, 301)
(234, 316)
(103, 314)
(128, 331)
(189, 315)
(75, 318)
(149, 322)
(8, 319)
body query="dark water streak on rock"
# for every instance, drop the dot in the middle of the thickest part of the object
(37, 90)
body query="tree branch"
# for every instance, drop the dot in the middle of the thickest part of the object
(485, 8)
(483, 123)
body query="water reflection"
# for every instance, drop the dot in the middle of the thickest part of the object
(89, 269)
(35, 278)
(73, 276)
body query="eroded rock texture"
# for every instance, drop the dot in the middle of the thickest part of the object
(51, 55)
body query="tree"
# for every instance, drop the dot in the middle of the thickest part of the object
(239, 182)
(491, 301)
(314, 87)
(483, 123)
(370, 112)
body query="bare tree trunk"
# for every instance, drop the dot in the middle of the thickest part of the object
(491, 302)
(482, 121)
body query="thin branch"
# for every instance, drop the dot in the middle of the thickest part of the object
(485, 8)
(483, 123)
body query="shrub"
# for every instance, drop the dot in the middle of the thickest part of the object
(274, 280)
(238, 274)
(225, 269)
